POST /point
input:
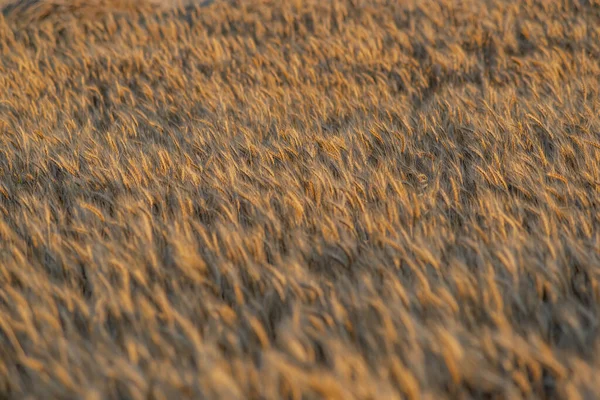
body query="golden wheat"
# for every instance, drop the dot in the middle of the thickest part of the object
(304, 199)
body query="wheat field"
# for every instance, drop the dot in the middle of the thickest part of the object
(341, 199)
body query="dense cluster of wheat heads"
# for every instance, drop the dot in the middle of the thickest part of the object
(300, 199)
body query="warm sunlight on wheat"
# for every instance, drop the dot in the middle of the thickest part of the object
(369, 199)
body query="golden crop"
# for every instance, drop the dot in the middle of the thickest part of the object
(370, 199)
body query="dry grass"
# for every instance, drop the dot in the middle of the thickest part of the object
(300, 199)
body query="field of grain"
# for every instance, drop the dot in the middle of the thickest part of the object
(341, 199)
